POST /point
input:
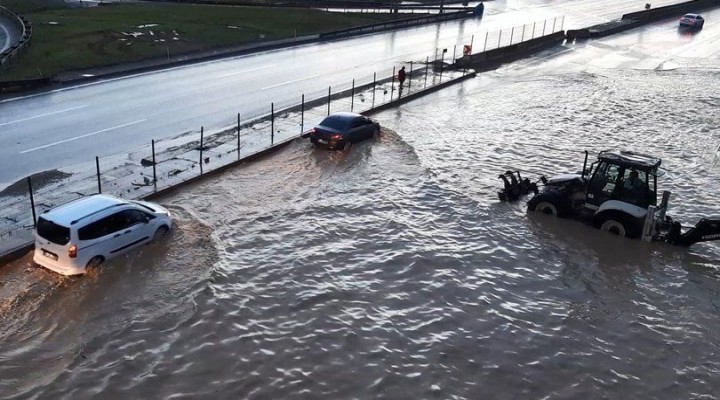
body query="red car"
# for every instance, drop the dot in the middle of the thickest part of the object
(692, 21)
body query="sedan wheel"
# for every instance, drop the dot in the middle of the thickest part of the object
(347, 145)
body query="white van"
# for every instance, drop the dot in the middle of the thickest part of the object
(86, 232)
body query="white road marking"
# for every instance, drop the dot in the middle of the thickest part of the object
(245, 71)
(7, 39)
(285, 83)
(43, 115)
(103, 81)
(82, 136)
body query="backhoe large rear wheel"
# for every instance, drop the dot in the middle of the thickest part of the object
(618, 223)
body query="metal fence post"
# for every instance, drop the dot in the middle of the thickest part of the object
(512, 33)
(302, 114)
(410, 76)
(392, 84)
(454, 49)
(238, 136)
(352, 96)
(499, 37)
(562, 23)
(374, 80)
(544, 24)
(522, 39)
(486, 38)
(533, 35)
(427, 62)
(328, 100)
(272, 124)
(154, 170)
(32, 201)
(442, 64)
(202, 133)
(97, 170)
(554, 21)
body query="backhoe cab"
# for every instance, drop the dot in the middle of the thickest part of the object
(618, 194)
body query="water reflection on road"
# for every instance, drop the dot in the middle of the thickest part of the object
(392, 271)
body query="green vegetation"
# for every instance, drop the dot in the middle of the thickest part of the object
(26, 6)
(75, 38)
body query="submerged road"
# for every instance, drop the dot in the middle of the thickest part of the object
(68, 126)
(392, 271)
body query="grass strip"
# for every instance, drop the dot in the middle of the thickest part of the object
(76, 38)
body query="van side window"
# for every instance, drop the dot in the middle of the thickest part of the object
(97, 229)
(128, 218)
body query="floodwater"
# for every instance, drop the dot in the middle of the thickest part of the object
(392, 270)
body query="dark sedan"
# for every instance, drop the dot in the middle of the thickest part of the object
(341, 130)
(692, 21)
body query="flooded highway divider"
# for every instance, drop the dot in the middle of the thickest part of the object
(639, 18)
(166, 165)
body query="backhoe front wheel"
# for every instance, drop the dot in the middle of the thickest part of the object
(548, 203)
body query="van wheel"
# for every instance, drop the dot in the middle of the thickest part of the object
(160, 233)
(94, 263)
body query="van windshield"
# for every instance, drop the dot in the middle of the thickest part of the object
(53, 232)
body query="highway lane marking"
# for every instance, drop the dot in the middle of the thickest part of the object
(82, 136)
(43, 115)
(102, 81)
(285, 83)
(7, 38)
(245, 71)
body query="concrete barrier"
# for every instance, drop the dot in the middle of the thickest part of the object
(397, 24)
(675, 10)
(604, 29)
(492, 58)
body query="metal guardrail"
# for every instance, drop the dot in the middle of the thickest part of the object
(655, 13)
(8, 55)
(402, 23)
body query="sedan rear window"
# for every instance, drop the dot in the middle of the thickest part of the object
(53, 232)
(336, 122)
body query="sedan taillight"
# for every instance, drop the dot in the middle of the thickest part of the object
(336, 136)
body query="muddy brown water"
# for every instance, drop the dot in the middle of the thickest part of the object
(392, 271)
